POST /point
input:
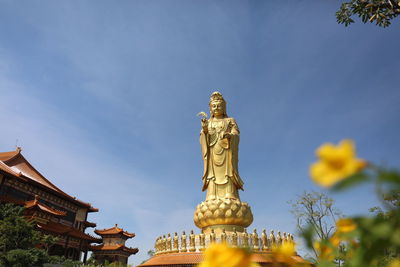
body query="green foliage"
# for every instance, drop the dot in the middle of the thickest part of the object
(351, 181)
(379, 11)
(369, 240)
(25, 257)
(18, 239)
(15, 231)
(150, 253)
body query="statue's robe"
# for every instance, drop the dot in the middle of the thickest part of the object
(220, 155)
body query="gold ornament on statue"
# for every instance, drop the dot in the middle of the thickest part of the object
(176, 245)
(223, 236)
(245, 239)
(264, 240)
(192, 244)
(169, 243)
(279, 238)
(255, 240)
(202, 238)
(234, 238)
(183, 242)
(272, 239)
(213, 238)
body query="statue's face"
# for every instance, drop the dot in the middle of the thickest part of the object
(217, 108)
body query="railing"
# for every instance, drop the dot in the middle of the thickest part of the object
(199, 242)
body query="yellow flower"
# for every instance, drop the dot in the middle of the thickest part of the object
(221, 255)
(345, 225)
(336, 163)
(335, 240)
(395, 263)
(286, 249)
(284, 253)
(325, 252)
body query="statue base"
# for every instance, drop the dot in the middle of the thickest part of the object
(218, 214)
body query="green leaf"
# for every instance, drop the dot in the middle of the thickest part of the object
(351, 181)
(308, 235)
(389, 176)
(326, 263)
(396, 237)
(382, 230)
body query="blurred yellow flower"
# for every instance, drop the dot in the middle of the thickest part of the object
(335, 163)
(395, 263)
(284, 253)
(345, 225)
(286, 249)
(335, 240)
(324, 251)
(221, 255)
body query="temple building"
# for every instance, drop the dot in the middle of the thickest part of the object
(54, 211)
(113, 248)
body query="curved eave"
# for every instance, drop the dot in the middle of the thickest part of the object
(7, 170)
(91, 209)
(35, 204)
(66, 230)
(46, 184)
(7, 156)
(89, 224)
(116, 233)
(114, 248)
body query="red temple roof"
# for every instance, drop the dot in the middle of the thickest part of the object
(32, 204)
(66, 230)
(114, 247)
(7, 169)
(15, 164)
(114, 231)
(4, 156)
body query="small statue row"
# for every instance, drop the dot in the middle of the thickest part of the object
(170, 244)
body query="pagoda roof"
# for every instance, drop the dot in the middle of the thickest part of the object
(114, 231)
(15, 164)
(114, 248)
(58, 228)
(35, 204)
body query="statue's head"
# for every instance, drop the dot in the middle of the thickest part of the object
(217, 105)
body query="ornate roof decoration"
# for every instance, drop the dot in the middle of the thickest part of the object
(114, 231)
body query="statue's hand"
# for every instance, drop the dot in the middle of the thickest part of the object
(227, 135)
(204, 125)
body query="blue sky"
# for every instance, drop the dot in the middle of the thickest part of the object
(103, 96)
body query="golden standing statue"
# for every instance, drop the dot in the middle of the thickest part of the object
(219, 139)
